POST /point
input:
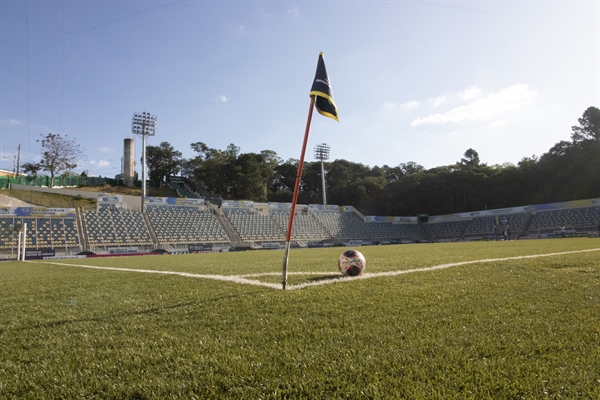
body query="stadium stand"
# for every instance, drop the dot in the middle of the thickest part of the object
(447, 229)
(177, 225)
(484, 226)
(8, 231)
(341, 224)
(481, 226)
(241, 223)
(253, 225)
(580, 218)
(518, 222)
(56, 232)
(306, 226)
(112, 226)
(41, 232)
(388, 230)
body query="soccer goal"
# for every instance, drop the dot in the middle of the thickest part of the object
(21, 244)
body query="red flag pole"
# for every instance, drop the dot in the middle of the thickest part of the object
(288, 237)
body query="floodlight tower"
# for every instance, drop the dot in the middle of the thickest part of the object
(321, 152)
(143, 124)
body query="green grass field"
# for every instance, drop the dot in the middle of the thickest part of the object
(514, 328)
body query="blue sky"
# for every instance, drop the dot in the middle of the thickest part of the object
(413, 80)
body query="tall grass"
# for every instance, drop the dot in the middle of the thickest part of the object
(52, 200)
(520, 328)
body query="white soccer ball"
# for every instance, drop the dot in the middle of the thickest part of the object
(352, 263)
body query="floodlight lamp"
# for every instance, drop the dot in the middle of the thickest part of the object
(321, 152)
(143, 124)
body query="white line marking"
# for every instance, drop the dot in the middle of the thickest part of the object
(243, 279)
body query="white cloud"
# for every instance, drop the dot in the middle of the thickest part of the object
(105, 149)
(101, 163)
(470, 94)
(440, 100)
(389, 106)
(12, 122)
(509, 99)
(222, 98)
(410, 104)
(294, 12)
(16, 122)
(242, 27)
(497, 124)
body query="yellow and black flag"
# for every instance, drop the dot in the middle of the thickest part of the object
(321, 89)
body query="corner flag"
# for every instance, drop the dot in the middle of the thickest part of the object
(321, 89)
(321, 96)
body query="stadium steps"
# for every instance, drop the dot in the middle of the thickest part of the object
(321, 224)
(153, 236)
(85, 230)
(360, 215)
(183, 187)
(274, 221)
(97, 250)
(425, 230)
(191, 190)
(167, 247)
(252, 245)
(79, 225)
(188, 185)
(233, 236)
(180, 189)
(464, 229)
(527, 224)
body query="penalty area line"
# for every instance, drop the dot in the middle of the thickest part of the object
(243, 279)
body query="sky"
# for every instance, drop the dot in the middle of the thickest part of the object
(419, 81)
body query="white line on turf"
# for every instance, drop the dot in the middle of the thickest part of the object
(227, 278)
(243, 279)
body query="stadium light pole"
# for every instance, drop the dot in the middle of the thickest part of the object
(143, 124)
(321, 152)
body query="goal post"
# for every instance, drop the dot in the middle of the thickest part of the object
(22, 242)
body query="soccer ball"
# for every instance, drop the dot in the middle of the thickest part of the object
(352, 263)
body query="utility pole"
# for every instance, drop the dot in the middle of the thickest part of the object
(18, 159)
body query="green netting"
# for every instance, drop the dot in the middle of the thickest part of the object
(58, 181)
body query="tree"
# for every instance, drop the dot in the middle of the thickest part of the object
(60, 155)
(213, 168)
(471, 159)
(188, 167)
(163, 161)
(251, 178)
(31, 168)
(251, 174)
(353, 183)
(284, 178)
(570, 170)
(589, 126)
(410, 168)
